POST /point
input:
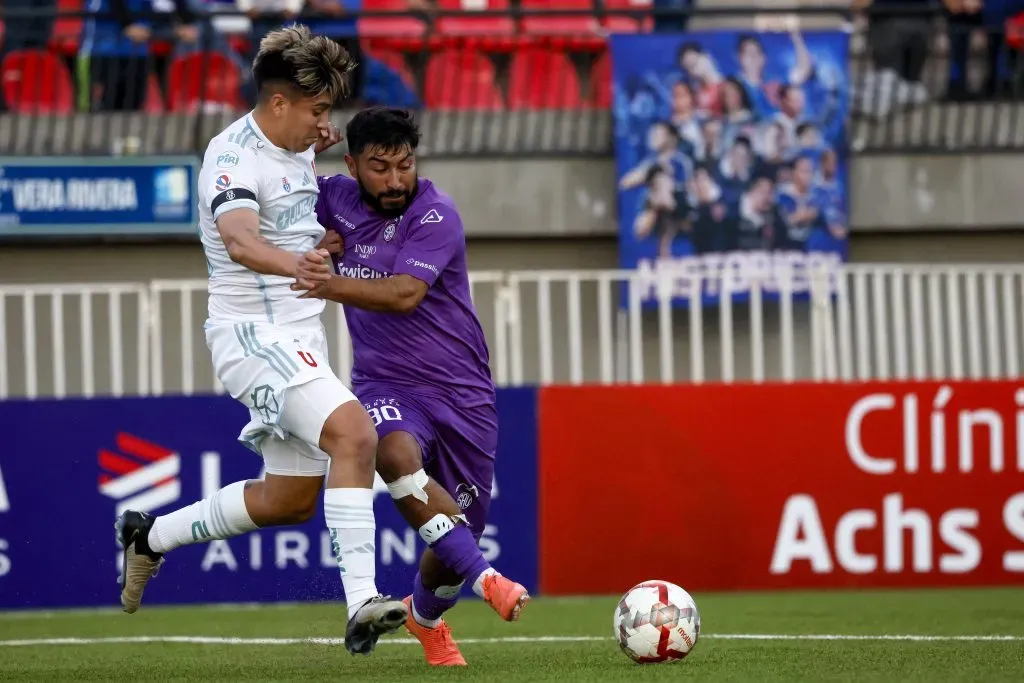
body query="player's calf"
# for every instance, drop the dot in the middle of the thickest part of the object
(429, 508)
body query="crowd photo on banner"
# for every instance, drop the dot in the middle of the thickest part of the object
(731, 144)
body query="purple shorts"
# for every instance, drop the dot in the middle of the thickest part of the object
(457, 444)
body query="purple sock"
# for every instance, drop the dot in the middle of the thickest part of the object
(458, 551)
(427, 603)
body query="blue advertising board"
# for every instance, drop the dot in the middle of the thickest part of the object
(123, 196)
(731, 157)
(68, 467)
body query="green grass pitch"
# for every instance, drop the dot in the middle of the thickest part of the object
(786, 636)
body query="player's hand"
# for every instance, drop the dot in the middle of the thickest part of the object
(318, 292)
(312, 268)
(332, 243)
(330, 135)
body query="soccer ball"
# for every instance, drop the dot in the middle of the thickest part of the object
(656, 621)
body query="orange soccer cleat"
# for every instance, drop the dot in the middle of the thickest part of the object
(505, 596)
(438, 645)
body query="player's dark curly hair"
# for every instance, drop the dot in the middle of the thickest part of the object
(385, 128)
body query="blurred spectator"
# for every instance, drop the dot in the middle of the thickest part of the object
(337, 20)
(670, 24)
(898, 35)
(19, 33)
(963, 17)
(266, 16)
(116, 44)
(24, 33)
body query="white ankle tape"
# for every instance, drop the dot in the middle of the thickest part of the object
(410, 485)
(438, 526)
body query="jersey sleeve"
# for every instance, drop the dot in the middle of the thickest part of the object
(323, 201)
(434, 240)
(232, 182)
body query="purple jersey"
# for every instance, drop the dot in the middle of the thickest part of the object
(439, 348)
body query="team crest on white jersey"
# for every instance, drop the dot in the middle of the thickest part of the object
(285, 184)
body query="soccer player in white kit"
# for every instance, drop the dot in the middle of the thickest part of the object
(258, 225)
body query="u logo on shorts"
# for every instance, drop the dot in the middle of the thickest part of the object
(307, 358)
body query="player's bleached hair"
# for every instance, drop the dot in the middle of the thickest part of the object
(313, 65)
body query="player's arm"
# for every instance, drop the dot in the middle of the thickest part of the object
(433, 241)
(240, 231)
(396, 294)
(233, 197)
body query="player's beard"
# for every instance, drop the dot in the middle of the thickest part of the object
(375, 203)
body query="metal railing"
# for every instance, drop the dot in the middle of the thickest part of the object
(859, 322)
(922, 80)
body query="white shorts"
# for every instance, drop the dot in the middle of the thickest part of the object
(282, 376)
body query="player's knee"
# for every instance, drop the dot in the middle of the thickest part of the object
(289, 506)
(398, 455)
(349, 434)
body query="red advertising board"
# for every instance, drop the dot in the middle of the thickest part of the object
(772, 486)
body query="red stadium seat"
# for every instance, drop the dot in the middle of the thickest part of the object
(543, 79)
(474, 26)
(601, 82)
(461, 79)
(154, 103)
(204, 78)
(627, 24)
(36, 82)
(560, 25)
(382, 29)
(66, 34)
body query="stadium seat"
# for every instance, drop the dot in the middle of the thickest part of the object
(154, 103)
(461, 79)
(474, 26)
(204, 78)
(66, 34)
(560, 25)
(558, 89)
(383, 29)
(601, 82)
(36, 82)
(627, 24)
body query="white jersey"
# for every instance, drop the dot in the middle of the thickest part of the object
(242, 169)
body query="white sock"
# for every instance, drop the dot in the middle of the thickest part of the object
(220, 516)
(478, 585)
(423, 621)
(349, 514)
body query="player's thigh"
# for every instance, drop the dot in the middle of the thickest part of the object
(283, 377)
(405, 435)
(467, 442)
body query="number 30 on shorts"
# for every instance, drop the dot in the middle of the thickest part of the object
(381, 413)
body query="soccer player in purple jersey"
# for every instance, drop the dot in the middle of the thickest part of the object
(421, 364)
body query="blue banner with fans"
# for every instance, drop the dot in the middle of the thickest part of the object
(59, 497)
(731, 157)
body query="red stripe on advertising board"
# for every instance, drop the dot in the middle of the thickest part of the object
(781, 486)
